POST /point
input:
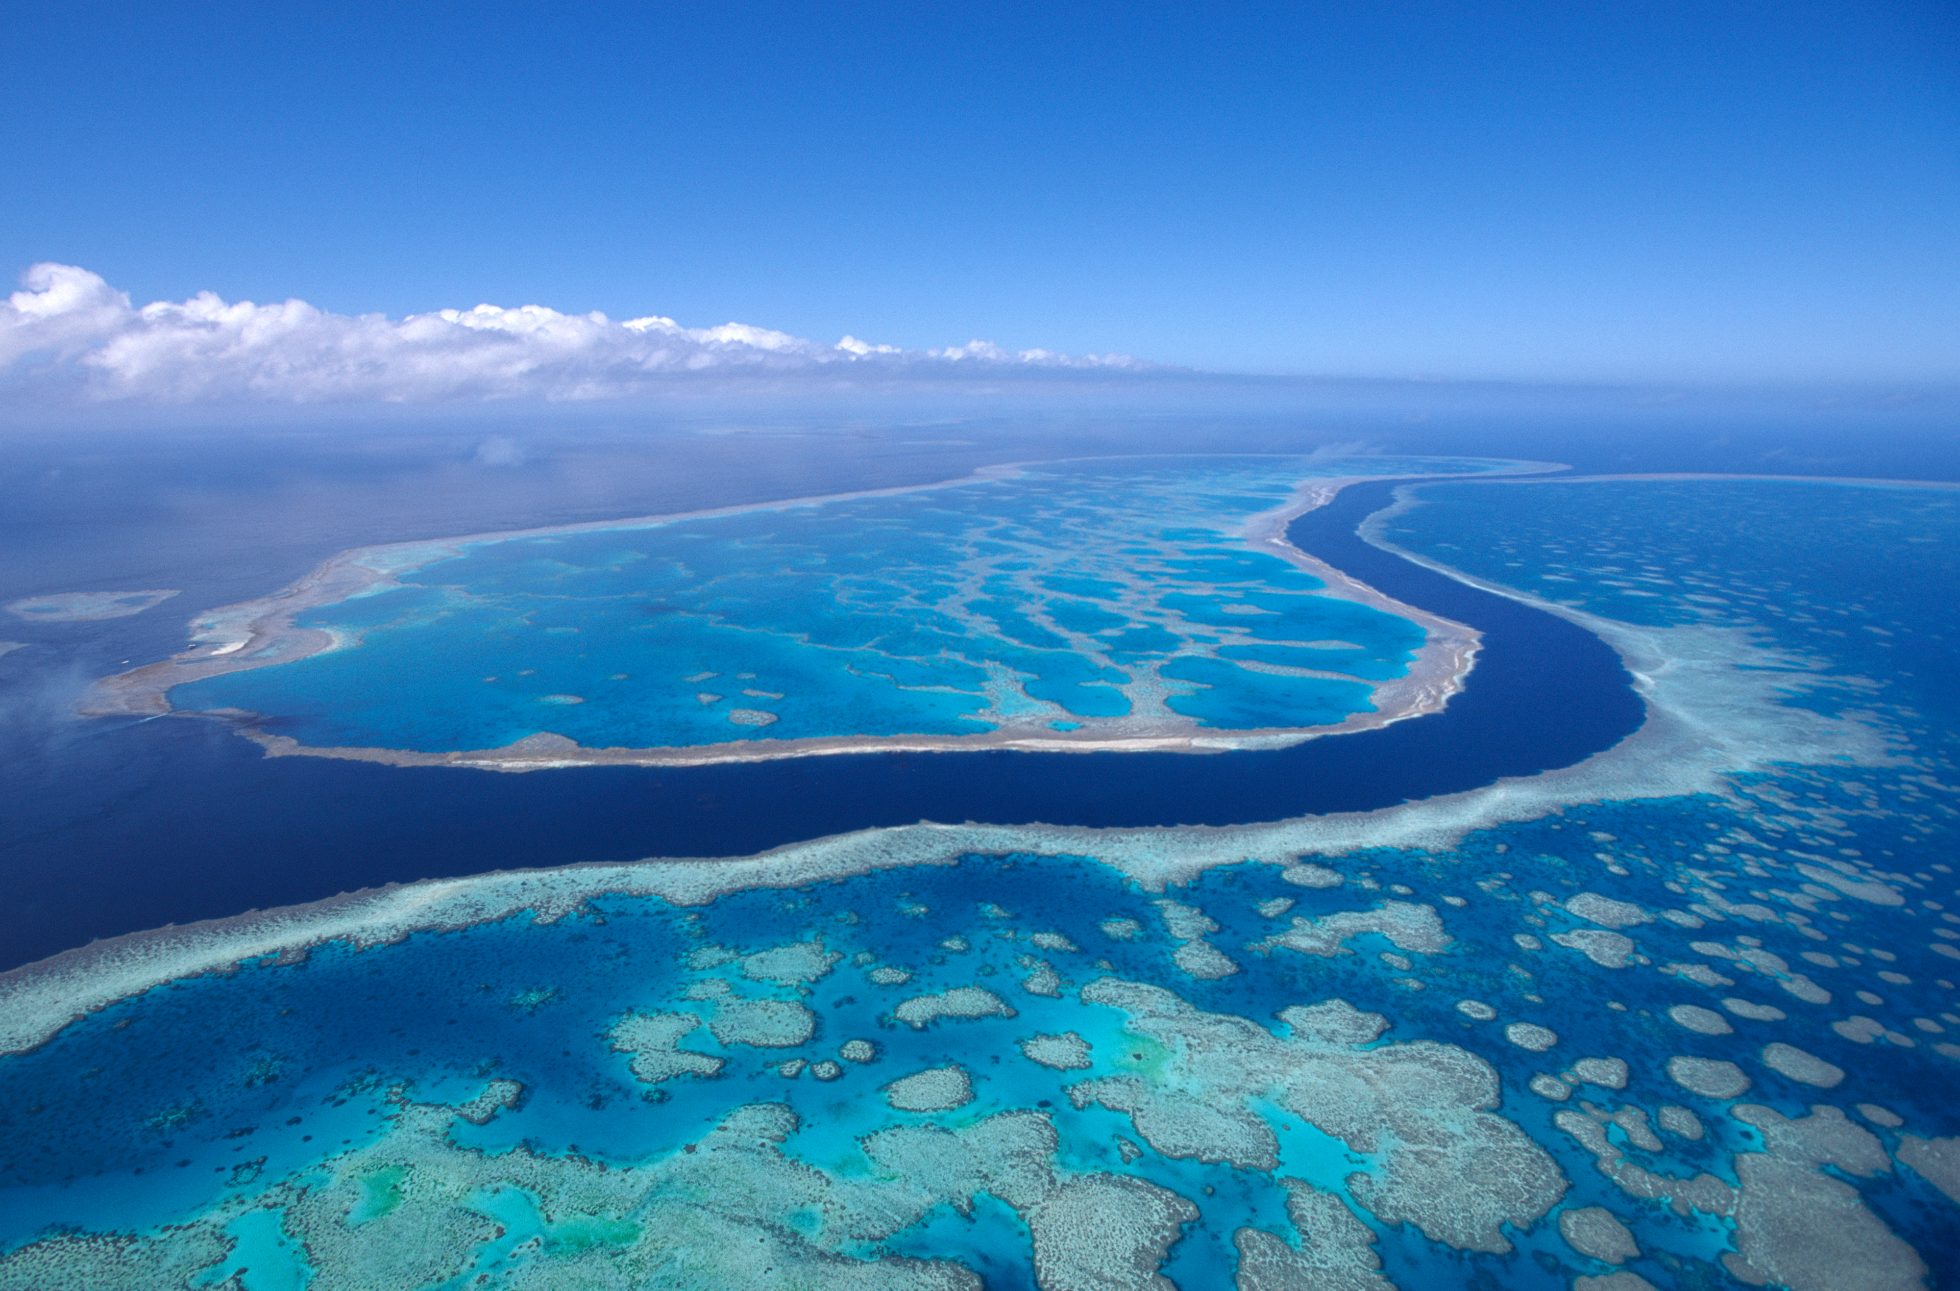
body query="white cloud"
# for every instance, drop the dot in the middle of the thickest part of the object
(852, 345)
(69, 332)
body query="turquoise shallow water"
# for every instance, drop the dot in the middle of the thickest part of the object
(301, 1120)
(1110, 597)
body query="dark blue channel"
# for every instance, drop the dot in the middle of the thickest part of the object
(179, 820)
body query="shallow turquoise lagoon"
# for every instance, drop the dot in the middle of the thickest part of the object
(1113, 598)
(1706, 1039)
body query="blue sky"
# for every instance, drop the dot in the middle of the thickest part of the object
(1643, 191)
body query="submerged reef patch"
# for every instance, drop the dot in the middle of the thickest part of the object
(86, 607)
(937, 1089)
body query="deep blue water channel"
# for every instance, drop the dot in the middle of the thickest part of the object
(205, 827)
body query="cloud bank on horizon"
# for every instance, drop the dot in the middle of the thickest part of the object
(69, 334)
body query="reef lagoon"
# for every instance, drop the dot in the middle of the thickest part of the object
(1680, 1012)
(1142, 603)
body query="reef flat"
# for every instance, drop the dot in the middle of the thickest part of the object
(1104, 605)
(1681, 1015)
